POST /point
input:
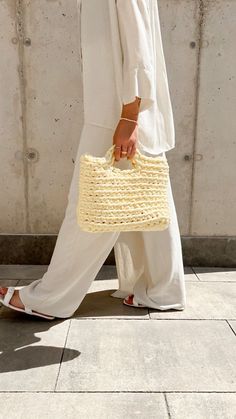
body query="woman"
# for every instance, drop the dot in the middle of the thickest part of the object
(124, 76)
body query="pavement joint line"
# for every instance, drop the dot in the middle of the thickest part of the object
(213, 320)
(214, 280)
(208, 281)
(152, 319)
(167, 405)
(202, 281)
(125, 318)
(195, 273)
(109, 318)
(227, 321)
(117, 392)
(62, 355)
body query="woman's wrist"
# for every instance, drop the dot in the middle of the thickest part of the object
(131, 110)
(134, 121)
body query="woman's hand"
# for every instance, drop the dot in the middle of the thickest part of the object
(125, 139)
(126, 133)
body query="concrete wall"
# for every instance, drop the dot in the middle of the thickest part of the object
(41, 112)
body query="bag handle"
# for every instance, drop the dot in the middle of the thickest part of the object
(110, 156)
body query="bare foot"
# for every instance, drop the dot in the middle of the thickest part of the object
(15, 299)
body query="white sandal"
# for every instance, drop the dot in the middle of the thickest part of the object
(5, 299)
(130, 301)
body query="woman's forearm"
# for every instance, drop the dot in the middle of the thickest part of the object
(131, 110)
(125, 135)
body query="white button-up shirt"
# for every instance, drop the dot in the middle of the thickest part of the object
(122, 57)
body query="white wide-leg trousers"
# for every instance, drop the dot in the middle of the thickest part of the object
(149, 264)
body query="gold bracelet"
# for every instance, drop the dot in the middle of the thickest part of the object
(132, 120)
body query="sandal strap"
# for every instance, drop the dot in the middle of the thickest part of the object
(8, 295)
(28, 310)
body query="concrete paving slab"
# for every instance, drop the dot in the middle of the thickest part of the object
(204, 301)
(140, 355)
(215, 274)
(30, 353)
(202, 406)
(83, 406)
(22, 271)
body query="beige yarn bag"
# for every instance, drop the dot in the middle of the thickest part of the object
(114, 199)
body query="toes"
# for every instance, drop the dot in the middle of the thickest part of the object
(129, 299)
(3, 290)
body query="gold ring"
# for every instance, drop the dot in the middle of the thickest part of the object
(124, 152)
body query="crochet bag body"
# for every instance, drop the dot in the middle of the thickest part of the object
(114, 199)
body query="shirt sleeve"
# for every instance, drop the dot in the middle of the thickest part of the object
(138, 54)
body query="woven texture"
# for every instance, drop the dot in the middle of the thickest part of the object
(114, 199)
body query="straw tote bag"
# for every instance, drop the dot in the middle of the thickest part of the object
(114, 199)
